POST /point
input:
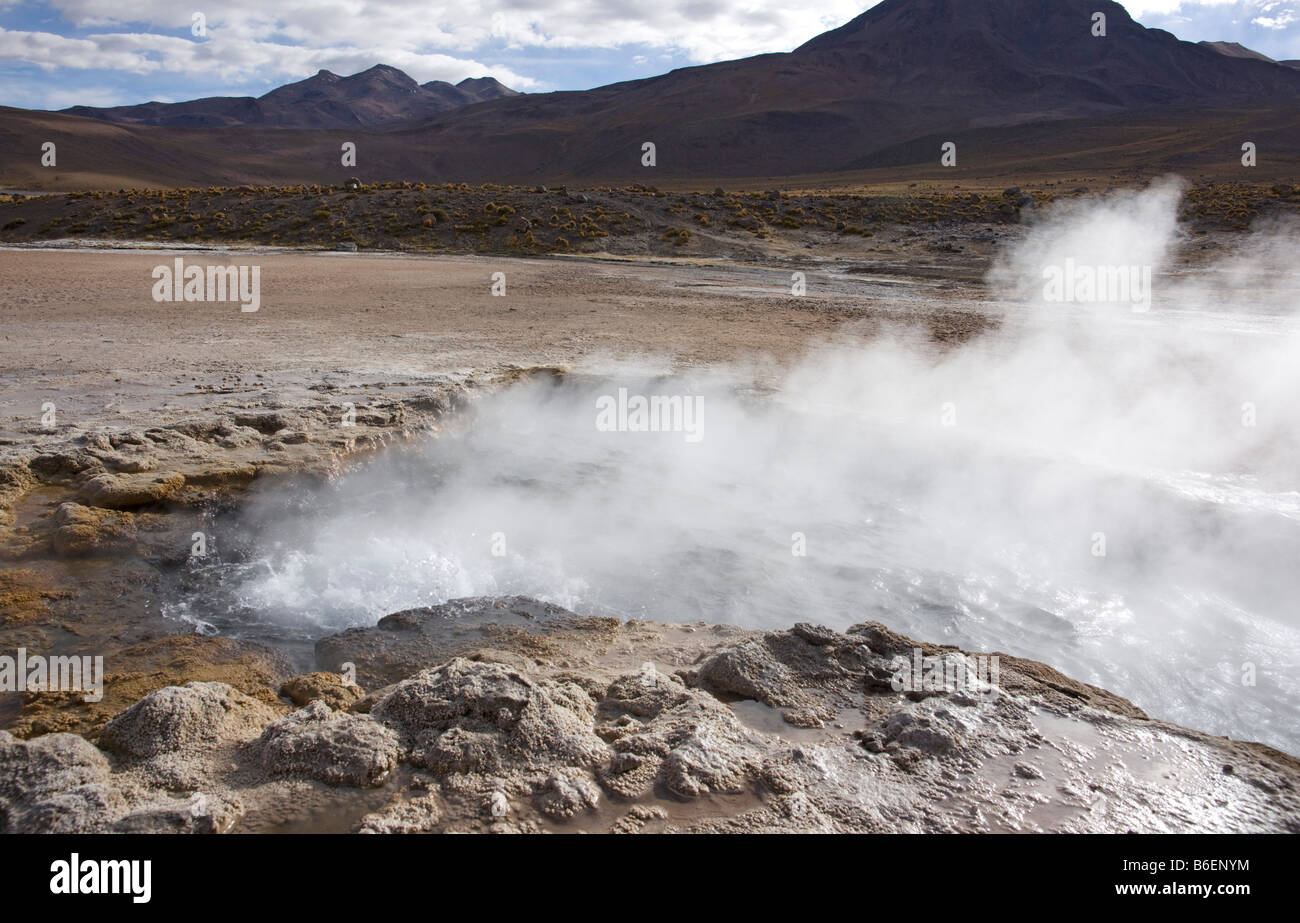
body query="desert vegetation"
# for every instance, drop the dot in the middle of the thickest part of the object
(458, 217)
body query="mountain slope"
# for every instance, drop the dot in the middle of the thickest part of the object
(1025, 49)
(1236, 50)
(376, 97)
(905, 69)
(885, 89)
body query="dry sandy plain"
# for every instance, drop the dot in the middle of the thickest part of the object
(81, 329)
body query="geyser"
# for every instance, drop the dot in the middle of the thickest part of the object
(1084, 486)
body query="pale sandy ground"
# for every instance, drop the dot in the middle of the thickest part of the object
(80, 328)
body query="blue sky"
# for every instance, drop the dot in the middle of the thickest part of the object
(110, 52)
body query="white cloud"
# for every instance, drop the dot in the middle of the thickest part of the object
(235, 62)
(1139, 8)
(703, 31)
(1268, 26)
(1286, 18)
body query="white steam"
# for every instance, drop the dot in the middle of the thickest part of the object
(959, 495)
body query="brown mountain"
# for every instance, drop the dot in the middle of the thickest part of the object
(1019, 82)
(904, 70)
(378, 97)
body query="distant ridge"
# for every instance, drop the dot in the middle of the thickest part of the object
(378, 97)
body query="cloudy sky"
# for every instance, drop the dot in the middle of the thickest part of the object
(108, 52)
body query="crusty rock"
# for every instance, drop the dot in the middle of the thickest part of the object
(402, 644)
(920, 732)
(127, 491)
(83, 809)
(266, 422)
(333, 747)
(692, 744)
(700, 764)
(646, 694)
(637, 817)
(60, 464)
(330, 688)
(782, 668)
(48, 764)
(201, 813)
(467, 716)
(252, 668)
(52, 784)
(180, 717)
(420, 814)
(567, 793)
(80, 530)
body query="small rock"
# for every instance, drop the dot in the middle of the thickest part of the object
(126, 491)
(82, 530)
(329, 688)
(333, 747)
(196, 715)
(52, 784)
(417, 815)
(566, 794)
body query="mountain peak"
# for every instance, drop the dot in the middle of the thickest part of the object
(385, 73)
(933, 21)
(484, 88)
(383, 70)
(380, 95)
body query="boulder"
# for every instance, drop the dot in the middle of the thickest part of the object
(127, 491)
(57, 783)
(174, 718)
(467, 716)
(330, 688)
(332, 747)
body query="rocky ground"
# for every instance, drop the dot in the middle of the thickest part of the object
(92, 517)
(510, 715)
